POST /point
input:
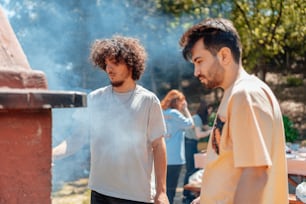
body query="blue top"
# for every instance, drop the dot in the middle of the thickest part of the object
(190, 133)
(176, 124)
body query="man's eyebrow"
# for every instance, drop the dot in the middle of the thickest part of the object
(195, 59)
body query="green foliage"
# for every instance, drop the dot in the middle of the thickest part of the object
(270, 29)
(211, 119)
(291, 133)
(294, 81)
(179, 7)
(184, 13)
(272, 32)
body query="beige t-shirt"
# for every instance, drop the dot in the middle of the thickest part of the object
(248, 132)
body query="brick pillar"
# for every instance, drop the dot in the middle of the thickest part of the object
(25, 145)
(26, 124)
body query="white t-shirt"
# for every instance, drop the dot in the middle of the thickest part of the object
(122, 127)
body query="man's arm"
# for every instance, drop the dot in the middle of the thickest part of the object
(202, 133)
(71, 144)
(160, 167)
(60, 150)
(251, 185)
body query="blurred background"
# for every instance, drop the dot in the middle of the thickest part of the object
(56, 37)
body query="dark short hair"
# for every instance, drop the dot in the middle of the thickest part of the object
(121, 49)
(216, 33)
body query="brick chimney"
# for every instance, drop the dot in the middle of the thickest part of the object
(26, 124)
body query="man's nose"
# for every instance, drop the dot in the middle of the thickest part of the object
(108, 68)
(196, 71)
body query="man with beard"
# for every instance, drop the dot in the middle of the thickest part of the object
(126, 127)
(246, 150)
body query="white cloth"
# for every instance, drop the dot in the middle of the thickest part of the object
(300, 192)
(196, 177)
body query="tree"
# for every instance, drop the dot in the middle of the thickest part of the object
(272, 32)
(56, 35)
(269, 30)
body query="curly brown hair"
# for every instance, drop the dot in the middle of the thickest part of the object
(121, 49)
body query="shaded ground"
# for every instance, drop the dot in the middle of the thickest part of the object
(74, 192)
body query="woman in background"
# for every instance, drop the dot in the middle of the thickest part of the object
(200, 130)
(178, 119)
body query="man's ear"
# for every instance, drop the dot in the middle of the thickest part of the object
(225, 56)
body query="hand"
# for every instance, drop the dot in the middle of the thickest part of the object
(184, 104)
(183, 107)
(196, 201)
(161, 198)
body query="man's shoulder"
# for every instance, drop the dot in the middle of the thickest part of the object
(248, 85)
(142, 89)
(252, 90)
(145, 92)
(99, 91)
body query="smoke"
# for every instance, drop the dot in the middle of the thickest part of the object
(56, 38)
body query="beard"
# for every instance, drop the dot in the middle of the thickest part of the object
(211, 84)
(117, 83)
(215, 76)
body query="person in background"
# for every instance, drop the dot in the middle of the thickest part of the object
(246, 160)
(200, 130)
(178, 119)
(126, 129)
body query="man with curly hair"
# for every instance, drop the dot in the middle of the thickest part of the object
(246, 159)
(126, 128)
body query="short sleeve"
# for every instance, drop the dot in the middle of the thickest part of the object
(181, 121)
(197, 121)
(156, 126)
(249, 130)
